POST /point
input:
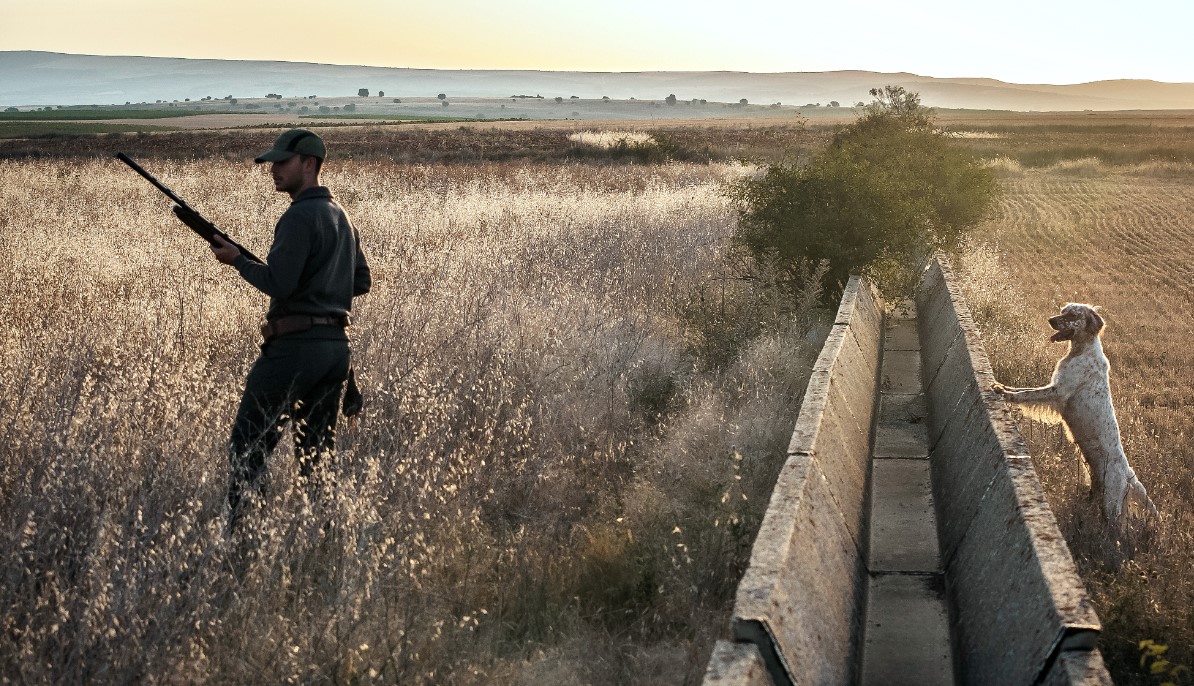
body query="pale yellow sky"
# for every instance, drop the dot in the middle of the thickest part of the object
(1043, 41)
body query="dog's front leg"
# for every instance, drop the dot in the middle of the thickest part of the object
(1000, 388)
(1043, 395)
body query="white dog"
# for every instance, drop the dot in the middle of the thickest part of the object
(1079, 396)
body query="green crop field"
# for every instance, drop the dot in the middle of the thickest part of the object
(39, 129)
(78, 114)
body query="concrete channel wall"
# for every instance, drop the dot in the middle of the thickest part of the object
(799, 609)
(1019, 612)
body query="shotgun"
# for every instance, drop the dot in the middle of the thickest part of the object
(186, 214)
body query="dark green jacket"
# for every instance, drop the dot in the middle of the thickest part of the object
(315, 265)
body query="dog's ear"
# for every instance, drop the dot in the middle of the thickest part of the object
(1094, 320)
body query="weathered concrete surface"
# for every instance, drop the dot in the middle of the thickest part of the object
(906, 639)
(903, 522)
(839, 404)
(802, 597)
(736, 664)
(902, 333)
(955, 367)
(1017, 603)
(862, 311)
(1078, 668)
(907, 632)
(902, 427)
(1017, 594)
(964, 462)
(803, 590)
(901, 371)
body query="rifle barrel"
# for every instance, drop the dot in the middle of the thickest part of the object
(209, 227)
(152, 179)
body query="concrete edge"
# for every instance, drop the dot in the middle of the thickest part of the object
(1015, 594)
(737, 664)
(1011, 511)
(1078, 668)
(801, 598)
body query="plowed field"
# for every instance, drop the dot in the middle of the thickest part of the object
(1123, 240)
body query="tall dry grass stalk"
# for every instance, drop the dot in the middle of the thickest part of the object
(551, 482)
(1121, 239)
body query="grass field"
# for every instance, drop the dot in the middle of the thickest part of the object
(574, 419)
(1121, 237)
(576, 409)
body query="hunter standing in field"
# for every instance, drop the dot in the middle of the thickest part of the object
(314, 269)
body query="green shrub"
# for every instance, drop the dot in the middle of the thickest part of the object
(889, 190)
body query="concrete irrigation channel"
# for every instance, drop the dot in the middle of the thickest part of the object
(908, 540)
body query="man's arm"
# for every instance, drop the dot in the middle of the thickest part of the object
(279, 276)
(362, 281)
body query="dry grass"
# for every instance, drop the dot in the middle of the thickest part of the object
(552, 482)
(609, 139)
(466, 143)
(1121, 238)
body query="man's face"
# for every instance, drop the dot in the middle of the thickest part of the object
(288, 175)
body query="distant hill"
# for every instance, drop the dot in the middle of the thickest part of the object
(43, 78)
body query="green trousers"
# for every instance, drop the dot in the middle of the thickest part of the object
(297, 378)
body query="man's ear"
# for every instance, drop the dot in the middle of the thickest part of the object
(310, 165)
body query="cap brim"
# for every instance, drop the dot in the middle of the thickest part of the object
(274, 156)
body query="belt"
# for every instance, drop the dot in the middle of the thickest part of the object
(295, 323)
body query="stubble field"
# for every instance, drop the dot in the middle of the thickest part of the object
(1121, 238)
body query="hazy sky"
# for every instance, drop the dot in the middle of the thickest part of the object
(1021, 41)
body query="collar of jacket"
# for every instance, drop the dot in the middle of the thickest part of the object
(313, 193)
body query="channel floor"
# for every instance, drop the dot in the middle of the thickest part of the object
(906, 636)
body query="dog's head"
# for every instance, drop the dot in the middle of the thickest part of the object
(1076, 320)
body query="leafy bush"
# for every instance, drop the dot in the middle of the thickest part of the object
(889, 190)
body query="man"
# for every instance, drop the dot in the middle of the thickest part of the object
(313, 271)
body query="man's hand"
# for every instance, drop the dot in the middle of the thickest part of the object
(225, 251)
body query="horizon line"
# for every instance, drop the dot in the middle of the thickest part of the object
(587, 71)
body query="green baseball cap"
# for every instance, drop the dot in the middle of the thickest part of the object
(294, 142)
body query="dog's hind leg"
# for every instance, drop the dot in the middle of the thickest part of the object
(1114, 488)
(1090, 477)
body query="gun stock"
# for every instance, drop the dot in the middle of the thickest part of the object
(187, 214)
